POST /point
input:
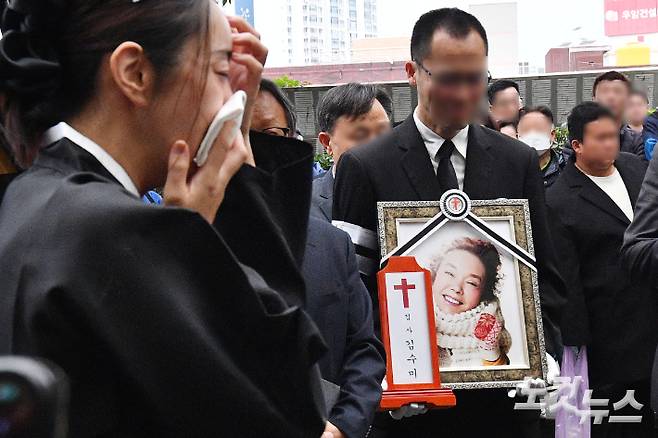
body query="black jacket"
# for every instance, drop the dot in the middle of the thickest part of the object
(163, 327)
(397, 167)
(5, 179)
(631, 142)
(322, 196)
(340, 305)
(613, 315)
(640, 250)
(552, 171)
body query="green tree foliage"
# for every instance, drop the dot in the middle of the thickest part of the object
(287, 82)
(324, 160)
(561, 136)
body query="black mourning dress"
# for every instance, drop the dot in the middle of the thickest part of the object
(166, 325)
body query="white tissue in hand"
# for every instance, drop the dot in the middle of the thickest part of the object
(233, 109)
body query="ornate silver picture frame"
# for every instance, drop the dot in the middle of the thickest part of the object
(484, 281)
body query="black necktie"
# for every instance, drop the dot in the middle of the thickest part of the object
(445, 173)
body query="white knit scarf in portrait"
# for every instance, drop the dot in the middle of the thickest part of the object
(458, 345)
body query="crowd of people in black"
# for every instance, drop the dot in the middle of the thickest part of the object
(239, 299)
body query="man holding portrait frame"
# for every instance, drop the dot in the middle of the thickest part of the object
(436, 149)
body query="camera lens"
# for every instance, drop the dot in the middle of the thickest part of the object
(9, 393)
(16, 407)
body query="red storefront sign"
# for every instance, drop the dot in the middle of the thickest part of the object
(630, 17)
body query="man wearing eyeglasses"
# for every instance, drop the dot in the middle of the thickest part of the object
(439, 148)
(336, 298)
(273, 112)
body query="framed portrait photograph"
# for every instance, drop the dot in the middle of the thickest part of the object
(485, 294)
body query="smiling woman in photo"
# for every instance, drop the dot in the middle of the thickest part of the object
(470, 325)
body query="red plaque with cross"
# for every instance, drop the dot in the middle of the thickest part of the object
(409, 336)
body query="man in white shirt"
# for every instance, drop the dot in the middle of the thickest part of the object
(439, 148)
(433, 143)
(608, 312)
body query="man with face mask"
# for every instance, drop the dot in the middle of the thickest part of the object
(438, 148)
(536, 129)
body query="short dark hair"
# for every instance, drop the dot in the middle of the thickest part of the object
(457, 23)
(583, 114)
(611, 76)
(643, 94)
(350, 100)
(269, 86)
(500, 85)
(541, 109)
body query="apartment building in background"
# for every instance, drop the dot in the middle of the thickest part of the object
(305, 32)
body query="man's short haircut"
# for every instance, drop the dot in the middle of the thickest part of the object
(268, 86)
(455, 22)
(541, 109)
(611, 76)
(500, 85)
(583, 114)
(643, 94)
(350, 100)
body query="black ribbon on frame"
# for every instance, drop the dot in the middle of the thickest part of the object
(517, 251)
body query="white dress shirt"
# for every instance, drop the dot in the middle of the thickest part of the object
(433, 142)
(64, 130)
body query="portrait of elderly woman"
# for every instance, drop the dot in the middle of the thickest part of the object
(485, 308)
(469, 321)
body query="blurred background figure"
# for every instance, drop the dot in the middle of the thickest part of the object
(612, 90)
(274, 114)
(348, 115)
(536, 128)
(637, 110)
(336, 298)
(609, 312)
(504, 102)
(650, 134)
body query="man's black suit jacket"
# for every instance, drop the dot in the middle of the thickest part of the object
(4, 183)
(322, 196)
(607, 310)
(339, 304)
(640, 250)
